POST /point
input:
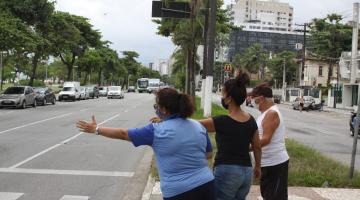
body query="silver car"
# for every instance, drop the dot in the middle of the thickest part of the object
(18, 96)
(84, 93)
(309, 103)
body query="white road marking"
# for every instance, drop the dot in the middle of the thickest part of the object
(33, 123)
(291, 197)
(10, 195)
(56, 145)
(71, 197)
(66, 172)
(84, 109)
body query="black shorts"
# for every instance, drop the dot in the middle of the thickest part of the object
(301, 104)
(274, 182)
(203, 192)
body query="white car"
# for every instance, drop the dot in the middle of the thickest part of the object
(115, 92)
(84, 93)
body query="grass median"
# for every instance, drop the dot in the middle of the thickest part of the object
(307, 168)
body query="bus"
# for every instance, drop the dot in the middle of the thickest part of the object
(154, 85)
(142, 85)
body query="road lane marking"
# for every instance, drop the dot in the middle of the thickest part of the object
(71, 197)
(84, 109)
(66, 172)
(10, 195)
(33, 123)
(56, 145)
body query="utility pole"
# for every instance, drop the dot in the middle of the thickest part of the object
(205, 59)
(210, 63)
(2, 70)
(353, 78)
(305, 25)
(284, 81)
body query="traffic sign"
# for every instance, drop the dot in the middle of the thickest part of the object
(228, 68)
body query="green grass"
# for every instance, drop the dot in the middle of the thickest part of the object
(307, 168)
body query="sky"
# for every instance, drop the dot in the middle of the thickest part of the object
(128, 25)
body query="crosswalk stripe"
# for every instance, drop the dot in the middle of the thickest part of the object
(291, 197)
(71, 197)
(10, 195)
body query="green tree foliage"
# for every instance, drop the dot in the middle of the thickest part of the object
(252, 60)
(276, 67)
(329, 37)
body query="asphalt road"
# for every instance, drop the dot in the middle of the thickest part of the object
(44, 157)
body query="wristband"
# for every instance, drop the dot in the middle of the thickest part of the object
(97, 130)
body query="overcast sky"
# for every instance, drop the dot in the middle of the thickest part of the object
(128, 25)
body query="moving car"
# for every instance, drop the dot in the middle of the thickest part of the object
(103, 91)
(309, 103)
(115, 92)
(131, 89)
(18, 96)
(93, 91)
(154, 85)
(71, 91)
(44, 96)
(84, 94)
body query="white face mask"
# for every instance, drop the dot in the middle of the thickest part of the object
(254, 104)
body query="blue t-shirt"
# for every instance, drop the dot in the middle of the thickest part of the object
(180, 146)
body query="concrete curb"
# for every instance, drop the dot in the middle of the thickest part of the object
(148, 189)
(135, 189)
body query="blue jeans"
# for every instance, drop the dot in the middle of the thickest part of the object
(232, 182)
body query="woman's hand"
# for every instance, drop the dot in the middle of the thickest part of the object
(257, 172)
(155, 120)
(87, 127)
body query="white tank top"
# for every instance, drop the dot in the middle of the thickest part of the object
(275, 152)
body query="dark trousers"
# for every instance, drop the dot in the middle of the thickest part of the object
(203, 192)
(274, 182)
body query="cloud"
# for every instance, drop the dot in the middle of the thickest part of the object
(127, 24)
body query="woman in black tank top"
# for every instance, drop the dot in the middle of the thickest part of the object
(235, 133)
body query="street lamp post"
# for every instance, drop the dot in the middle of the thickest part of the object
(74, 72)
(128, 81)
(1, 68)
(284, 81)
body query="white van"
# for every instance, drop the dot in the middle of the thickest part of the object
(71, 91)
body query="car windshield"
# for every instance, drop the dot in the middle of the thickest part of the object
(39, 90)
(114, 88)
(102, 88)
(307, 98)
(82, 89)
(154, 85)
(131, 87)
(68, 89)
(14, 90)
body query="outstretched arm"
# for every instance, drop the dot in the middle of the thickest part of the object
(115, 133)
(208, 124)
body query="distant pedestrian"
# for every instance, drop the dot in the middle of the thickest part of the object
(180, 146)
(234, 133)
(301, 103)
(322, 105)
(275, 159)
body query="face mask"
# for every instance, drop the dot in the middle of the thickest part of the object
(254, 104)
(224, 104)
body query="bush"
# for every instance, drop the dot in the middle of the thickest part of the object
(37, 83)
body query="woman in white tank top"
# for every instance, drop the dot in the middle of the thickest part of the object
(275, 159)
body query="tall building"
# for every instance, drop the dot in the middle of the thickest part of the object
(268, 23)
(162, 66)
(256, 15)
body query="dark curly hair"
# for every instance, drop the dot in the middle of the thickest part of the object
(175, 102)
(236, 87)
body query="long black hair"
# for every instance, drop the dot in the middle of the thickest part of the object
(236, 87)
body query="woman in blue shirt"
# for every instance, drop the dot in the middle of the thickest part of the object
(180, 145)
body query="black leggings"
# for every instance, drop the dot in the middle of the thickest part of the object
(203, 192)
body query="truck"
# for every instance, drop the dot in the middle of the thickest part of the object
(154, 85)
(70, 91)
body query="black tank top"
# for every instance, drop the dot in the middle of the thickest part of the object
(233, 139)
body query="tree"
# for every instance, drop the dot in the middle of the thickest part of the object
(71, 36)
(276, 67)
(188, 35)
(253, 60)
(329, 37)
(89, 62)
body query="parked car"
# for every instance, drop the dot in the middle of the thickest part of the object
(44, 96)
(103, 91)
(84, 94)
(93, 91)
(131, 89)
(115, 92)
(277, 99)
(18, 96)
(309, 103)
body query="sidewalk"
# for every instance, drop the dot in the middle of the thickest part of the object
(295, 193)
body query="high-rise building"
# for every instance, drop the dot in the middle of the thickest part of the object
(268, 16)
